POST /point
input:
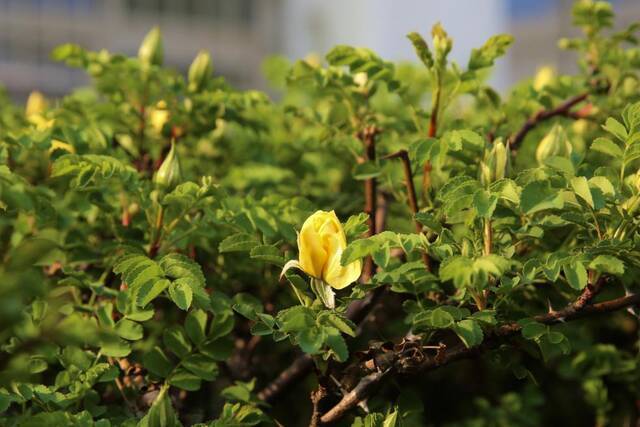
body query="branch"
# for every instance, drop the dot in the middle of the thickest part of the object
(360, 392)
(411, 195)
(368, 138)
(316, 397)
(575, 310)
(542, 115)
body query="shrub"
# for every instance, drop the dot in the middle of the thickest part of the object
(162, 264)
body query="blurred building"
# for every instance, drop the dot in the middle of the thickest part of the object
(241, 33)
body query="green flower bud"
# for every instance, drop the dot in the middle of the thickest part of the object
(151, 51)
(169, 174)
(442, 43)
(495, 164)
(199, 71)
(555, 143)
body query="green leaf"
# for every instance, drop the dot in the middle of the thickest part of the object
(238, 242)
(181, 294)
(129, 330)
(150, 290)
(607, 264)
(336, 342)
(176, 341)
(485, 203)
(185, 380)
(576, 274)
(335, 320)
(195, 324)
(161, 413)
(356, 226)
(608, 147)
(533, 330)
(421, 48)
(441, 318)
(581, 188)
(616, 129)
(157, 362)
(493, 48)
(538, 196)
(297, 318)
(267, 253)
(469, 332)
(202, 366)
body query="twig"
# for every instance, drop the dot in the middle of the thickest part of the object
(360, 392)
(316, 398)
(573, 311)
(411, 195)
(542, 115)
(368, 138)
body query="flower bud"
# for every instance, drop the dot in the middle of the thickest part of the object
(495, 163)
(555, 143)
(169, 174)
(442, 43)
(36, 104)
(151, 51)
(199, 71)
(158, 116)
(543, 77)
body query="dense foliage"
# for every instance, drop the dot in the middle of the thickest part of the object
(145, 222)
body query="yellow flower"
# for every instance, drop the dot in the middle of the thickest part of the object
(321, 243)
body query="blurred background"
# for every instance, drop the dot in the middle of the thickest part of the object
(240, 34)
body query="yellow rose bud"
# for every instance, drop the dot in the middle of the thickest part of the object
(158, 116)
(36, 104)
(321, 242)
(544, 77)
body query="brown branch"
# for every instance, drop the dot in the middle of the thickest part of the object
(411, 195)
(360, 392)
(563, 109)
(316, 397)
(575, 310)
(368, 138)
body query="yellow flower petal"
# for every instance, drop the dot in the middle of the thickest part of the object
(321, 243)
(312, 253)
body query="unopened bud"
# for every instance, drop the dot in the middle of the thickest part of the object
(544, 77)
(36, 104)
(555, 143)
(495, 164)
(158, 116)
(199, 71)
(442, 43)
(151, 51)
(169, 174)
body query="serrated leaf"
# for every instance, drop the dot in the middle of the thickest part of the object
(469, 332)
(267, 253)
(181, 294)
(576, 275)
(238, 242)
(150, 290)
(581, 187)
(607, 264)
(176, 341)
